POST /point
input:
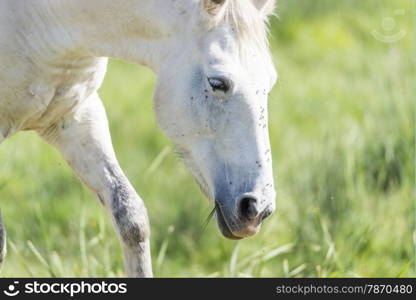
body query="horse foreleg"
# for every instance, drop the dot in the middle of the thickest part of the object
(2, 242)
(84, 141)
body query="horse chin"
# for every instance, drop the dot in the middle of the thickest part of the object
(223, 226)
(197, 174)
(204, 187)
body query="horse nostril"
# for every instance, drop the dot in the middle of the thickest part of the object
(248, 207)
(267, 212)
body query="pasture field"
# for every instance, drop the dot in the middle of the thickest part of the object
(343, 138)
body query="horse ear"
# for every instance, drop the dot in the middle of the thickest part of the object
(265, 6)
(213, 6)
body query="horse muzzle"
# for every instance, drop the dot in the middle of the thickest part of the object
(244, 217)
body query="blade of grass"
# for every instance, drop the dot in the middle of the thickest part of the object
(41, 259)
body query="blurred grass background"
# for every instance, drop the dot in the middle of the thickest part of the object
(342, 132)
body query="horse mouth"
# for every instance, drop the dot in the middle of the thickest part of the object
(222, 224)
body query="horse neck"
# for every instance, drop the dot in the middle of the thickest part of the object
(137, 31)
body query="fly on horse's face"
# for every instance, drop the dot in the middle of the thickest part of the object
(211, 100)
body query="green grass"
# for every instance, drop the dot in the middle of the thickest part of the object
(342, 132)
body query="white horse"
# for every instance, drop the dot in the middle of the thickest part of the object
(214, 74)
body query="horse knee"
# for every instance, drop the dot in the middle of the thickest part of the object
(129, 212)
(133, 225)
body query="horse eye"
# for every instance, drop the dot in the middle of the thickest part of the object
(219, 84)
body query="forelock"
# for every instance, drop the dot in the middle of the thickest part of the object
(250, 25)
